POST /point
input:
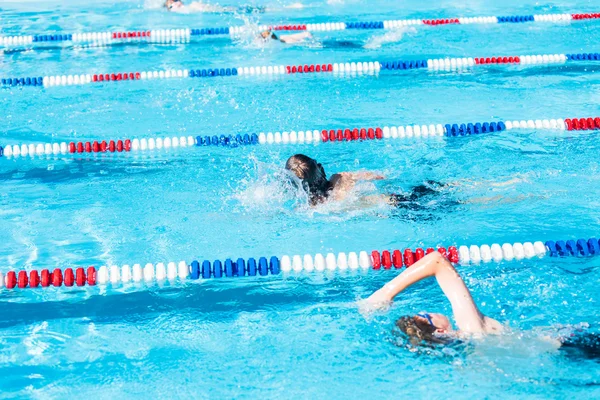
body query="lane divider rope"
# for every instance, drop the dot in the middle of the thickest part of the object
(348, 68)
(183, 35)
(375, 260)
(296, 137)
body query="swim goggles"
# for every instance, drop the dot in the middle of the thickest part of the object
(427, 317)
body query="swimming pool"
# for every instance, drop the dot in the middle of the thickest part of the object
(296, 335)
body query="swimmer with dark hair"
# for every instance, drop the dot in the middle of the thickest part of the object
(200, 7)
(288, 39)
(316, 184)
(320, 189)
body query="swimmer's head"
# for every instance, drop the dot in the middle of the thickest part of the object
(311, 173)
(268, 34)
(425, 327)
(171, 4)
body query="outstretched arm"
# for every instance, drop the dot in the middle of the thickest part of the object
(295, 37)
(343, 182)
(364, 176)
(467, 315)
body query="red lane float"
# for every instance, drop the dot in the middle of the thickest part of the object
(34, 279)
(583, 124)
(122, 76)
(386, 259)
(497, 60)
(300, 69)
(95, 147)
(130, 34)
(348, 135)
(22, 280)
(376, 259)
(585, 16)
(288, 28)
(91, 276)
(11, 280)
(45, 278)
(441, 21)
(396, 258)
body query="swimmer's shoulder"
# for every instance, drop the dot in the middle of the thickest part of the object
(339, 185)
(336, 179)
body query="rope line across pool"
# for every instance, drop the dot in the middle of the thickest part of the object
(183, 35)
(375, 260)
(295, 137)
(346, 69)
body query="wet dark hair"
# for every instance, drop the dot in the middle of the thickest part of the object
(419, 331)
(313, 177)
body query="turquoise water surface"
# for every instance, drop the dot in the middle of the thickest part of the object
(300, 336)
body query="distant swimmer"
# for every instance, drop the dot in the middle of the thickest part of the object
(320, 189)
(200, 7)
(302, 37)
(289, 39)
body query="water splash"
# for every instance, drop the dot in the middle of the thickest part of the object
(269, 189)
(153, 4)
(294, 6)
(391, 36)
(249, 33)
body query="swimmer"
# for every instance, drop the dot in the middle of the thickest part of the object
(434, 328)
(301, 37)
(317, 186)
(320, 189)
(198, 6)
(288, 39)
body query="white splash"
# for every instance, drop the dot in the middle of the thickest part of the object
(270, 189)
(391, 36)
(153, 4)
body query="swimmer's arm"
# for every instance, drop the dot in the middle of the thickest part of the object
(363, 176)
(295, 37)
(467, 315)
(344, 182)
(201, 7)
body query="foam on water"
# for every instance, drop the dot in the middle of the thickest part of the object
(153, 4)
(391, 36)
(269, 189)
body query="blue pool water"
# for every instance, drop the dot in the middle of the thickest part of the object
(300, 336)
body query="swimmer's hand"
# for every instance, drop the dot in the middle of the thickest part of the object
(381, 297)
(378, 301)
